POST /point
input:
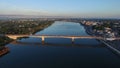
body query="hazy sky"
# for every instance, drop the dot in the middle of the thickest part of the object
(81, 8)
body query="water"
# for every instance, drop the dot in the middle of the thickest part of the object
(59, 53)
(64, 28)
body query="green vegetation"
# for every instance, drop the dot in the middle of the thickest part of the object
(102, 26)
(20, 27)
(23, 27)
(98, 27)
(19, 38)
(4, 40)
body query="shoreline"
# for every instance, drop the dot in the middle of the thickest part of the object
(87, 29)
(102, 41)
(5, 40)
(3, 51)
(35, 30)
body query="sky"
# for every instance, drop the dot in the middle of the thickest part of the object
(77, 8)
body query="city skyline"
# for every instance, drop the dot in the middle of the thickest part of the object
(75, 8)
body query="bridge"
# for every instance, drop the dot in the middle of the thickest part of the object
(54, 36)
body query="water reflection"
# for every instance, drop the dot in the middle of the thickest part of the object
(64, 28)
(59, 53)
(53, 44)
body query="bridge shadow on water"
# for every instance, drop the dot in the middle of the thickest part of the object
(57, 44)
(19, 43)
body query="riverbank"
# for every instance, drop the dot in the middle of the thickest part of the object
(3, 51)
(87, 29)
(110, 46)
(4, 40)
(27, 27)
(41, 26)
(23, 27)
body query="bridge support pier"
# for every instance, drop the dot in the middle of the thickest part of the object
(73, 40)
(43, 39)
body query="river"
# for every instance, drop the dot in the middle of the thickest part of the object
(59, 52)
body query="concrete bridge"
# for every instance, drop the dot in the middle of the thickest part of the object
(55, 36)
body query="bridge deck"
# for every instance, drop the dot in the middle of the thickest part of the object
(56, 36)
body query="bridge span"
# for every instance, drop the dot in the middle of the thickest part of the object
(55, 36)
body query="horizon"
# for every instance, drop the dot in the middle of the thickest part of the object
(61, 8)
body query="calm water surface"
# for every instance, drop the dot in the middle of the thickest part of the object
(59, 53)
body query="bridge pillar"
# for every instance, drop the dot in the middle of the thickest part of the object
(73, 39)
(43, 39)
